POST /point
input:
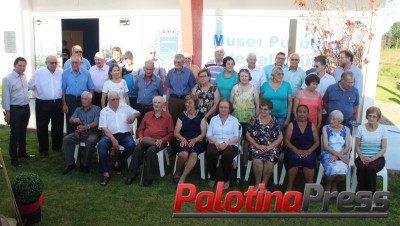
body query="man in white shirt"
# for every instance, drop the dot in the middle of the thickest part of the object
(46, 82)
(99, 75)
(115, 122)
(257, 73)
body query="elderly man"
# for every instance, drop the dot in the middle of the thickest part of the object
(346, 58)
(46, 82)
(154, 132)
(294, 75)
(180, 81)
(215, 65)
(115, 122)
(86, 118)
(84, 63)
(99, 75)
(74, 81)
(117, 57)
(159, 69)
(279, 61)
(188, 63)
(15, 102)
(147, 87)
(343, 96)
(257, 73)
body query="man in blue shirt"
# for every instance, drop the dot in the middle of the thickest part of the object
(279, 61)
(77, 50)
(343, 96)
(117, 57)
(75, 80)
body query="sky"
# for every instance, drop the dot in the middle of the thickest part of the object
(391, 15)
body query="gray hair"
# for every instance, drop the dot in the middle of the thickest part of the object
(111, 93)
(251, 55)
(337, 115)
(89, 94)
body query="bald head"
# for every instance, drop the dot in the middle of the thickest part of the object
(51, 63)
(158, 103)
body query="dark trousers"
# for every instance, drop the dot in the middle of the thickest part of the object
(366, 174)
(73, 139)
(226, 160)
(143, 109)
(47, 110)
(137, 156)
(19, 119)
(96, 100)
(175, 107)
(73, 102)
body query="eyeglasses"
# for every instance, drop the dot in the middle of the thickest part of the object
(78, 51)
(279, 74)
(152, 52)
(295, 59)
(178, 62)
(281, 58)
(53, 63)
(114, 99)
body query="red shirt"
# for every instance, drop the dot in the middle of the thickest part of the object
(157, 128)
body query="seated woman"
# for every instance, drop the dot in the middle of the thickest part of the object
(223, 136)
(190, 130)
(335, 154)
(265, 139)
(301, 139)
(371, 142)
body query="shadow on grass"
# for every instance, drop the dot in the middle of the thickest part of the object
(391, 92)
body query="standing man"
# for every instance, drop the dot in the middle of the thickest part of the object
(343, 96)
(147, 86)
(87, 119)
(159, 69)
(99, 75)
(74, 81)
(15, 102)
(77, 50)
(46, 82)
(180, 81)
(115, 122)
(117, 57)
(294, 75)
(257, 73)
(215, 65)
(188, 63)
(346, 58)
(279, 61)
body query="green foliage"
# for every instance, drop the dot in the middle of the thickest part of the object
(27, 188)
(392, 38)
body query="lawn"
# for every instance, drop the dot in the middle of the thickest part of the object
(388, 85)
(78, 199)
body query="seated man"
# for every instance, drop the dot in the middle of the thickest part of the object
(154, 132)
(87, 119)
(115, 122)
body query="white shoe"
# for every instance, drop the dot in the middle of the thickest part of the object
(234, 164)
(211, 183)
(226, 185)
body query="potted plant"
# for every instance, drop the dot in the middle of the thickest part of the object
(27, 189)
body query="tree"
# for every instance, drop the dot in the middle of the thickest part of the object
(392, 37)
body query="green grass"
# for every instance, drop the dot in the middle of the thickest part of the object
(388, 85)
(78, 199)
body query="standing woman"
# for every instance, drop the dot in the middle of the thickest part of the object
(223, 136)
(115, 83)
(371, 142)
(227, 79)
(190, 131)
(301, 139)
(207, 94)
(312, 99)
(280, 93)
(245, 100)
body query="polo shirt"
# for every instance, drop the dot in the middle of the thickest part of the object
(337, 99)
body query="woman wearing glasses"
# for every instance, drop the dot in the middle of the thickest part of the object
(207, 93)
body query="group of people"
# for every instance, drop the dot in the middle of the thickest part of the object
(279, 109)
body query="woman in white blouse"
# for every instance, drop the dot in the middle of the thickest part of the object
(371, 141)
(115, 83)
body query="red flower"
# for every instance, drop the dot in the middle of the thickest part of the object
(365, 61)
(300, 3)
(370, 36)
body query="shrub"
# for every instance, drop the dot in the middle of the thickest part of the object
(27, 188)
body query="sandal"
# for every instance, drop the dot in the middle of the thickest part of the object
(175, 179)
(104, 180)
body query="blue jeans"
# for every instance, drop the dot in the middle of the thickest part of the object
(281, 121)
(125, 140)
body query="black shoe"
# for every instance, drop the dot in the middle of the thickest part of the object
(147, 183)
(117, 169)
(44, 154)
(25, 155)
(85, 169)
(129, 180)
(16, 163)
(56, 149)
(69, 168)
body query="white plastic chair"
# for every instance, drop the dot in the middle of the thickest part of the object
(202, 164)
(349, 173)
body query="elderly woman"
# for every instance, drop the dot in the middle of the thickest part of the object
(335, 154)
(265, 139)
(371, 142)
(227, 79)
(190, 130)
(312, 99)
(223, 136)
(301, 139)
(207, 94)
(115, 83)
(280, 93)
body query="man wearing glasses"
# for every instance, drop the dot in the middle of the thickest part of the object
(159, 69)
(77, 50)
(46, 83)
(294, 75)
(279, 61)
(115, 122)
